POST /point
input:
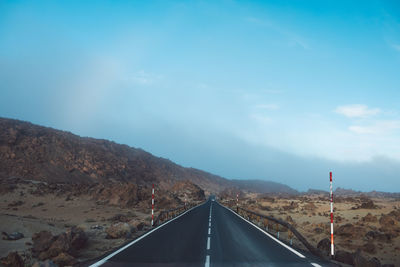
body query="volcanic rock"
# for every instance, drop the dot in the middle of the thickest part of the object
(12, 236)
(120, 230)
(64, 259)
(42, 241)
(325, 246)
(13, 259)
(360, 261)
(351, 231)
(46, 263)
(369, 248)
(344, 257)
(369, 218)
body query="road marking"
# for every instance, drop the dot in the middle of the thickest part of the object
(100, 262)
(207, 264)
(266, 233)
(315, 264)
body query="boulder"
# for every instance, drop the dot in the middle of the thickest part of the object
(360, 261)
(59, 245)
(77, 239)
(46, 246)
(369, 218)
(344, 257)
(325, 246)
(293, 205)
(12, 236)
(137, 224)
(367, 204)
(350, 231)
(120, 230)
(13, 259)
(64, 259)
(387, 221)
(71, 242)
(119, 218)
(140, 226)
(310, 206)
(375, 235)
(369, 248)
(47, 263)
(318, 230)
(42, 241)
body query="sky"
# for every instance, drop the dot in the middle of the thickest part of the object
(284, 91)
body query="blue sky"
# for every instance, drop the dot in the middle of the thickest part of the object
(277, 90)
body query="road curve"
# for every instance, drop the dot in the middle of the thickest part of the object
(208, 235)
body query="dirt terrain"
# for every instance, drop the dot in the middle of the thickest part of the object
(31, 207)
(370, 225)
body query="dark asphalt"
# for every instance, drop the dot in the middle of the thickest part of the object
(183, 242)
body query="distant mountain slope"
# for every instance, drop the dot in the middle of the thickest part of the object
(45, 154)
(40, 153)
(261, 186)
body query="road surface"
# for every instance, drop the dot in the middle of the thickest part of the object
(208, 235)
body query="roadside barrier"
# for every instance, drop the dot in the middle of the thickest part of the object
(282, 230)
(167, 215)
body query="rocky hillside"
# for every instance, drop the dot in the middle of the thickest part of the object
(269, 187)
(44, 154)
(38, 153)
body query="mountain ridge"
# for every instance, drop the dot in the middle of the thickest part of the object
(40, 153)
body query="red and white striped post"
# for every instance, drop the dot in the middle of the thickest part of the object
(152, 206)
(332, 246)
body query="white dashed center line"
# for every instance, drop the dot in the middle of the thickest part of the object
(207, 263)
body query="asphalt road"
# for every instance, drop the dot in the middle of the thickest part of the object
(208, 235)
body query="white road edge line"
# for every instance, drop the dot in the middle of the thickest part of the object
(207, 264)
(266, 233)
(102, 261)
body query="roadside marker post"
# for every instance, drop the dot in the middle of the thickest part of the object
(152, 206)
(237, 202)
(332, 245)
(185, 201)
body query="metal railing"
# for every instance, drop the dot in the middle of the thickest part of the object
(167, 215)
(279, 228)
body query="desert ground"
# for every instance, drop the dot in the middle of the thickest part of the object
(105, 226)
(371, 225)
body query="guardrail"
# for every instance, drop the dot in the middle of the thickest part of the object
(279, 228)
(167, 215)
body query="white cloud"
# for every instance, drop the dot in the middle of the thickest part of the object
(357, 111)
(378, 128)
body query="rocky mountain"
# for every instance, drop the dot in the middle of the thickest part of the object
(32, 152)
(261, 186)
(44, 154)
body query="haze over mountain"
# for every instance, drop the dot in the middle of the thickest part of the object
(45, 154)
